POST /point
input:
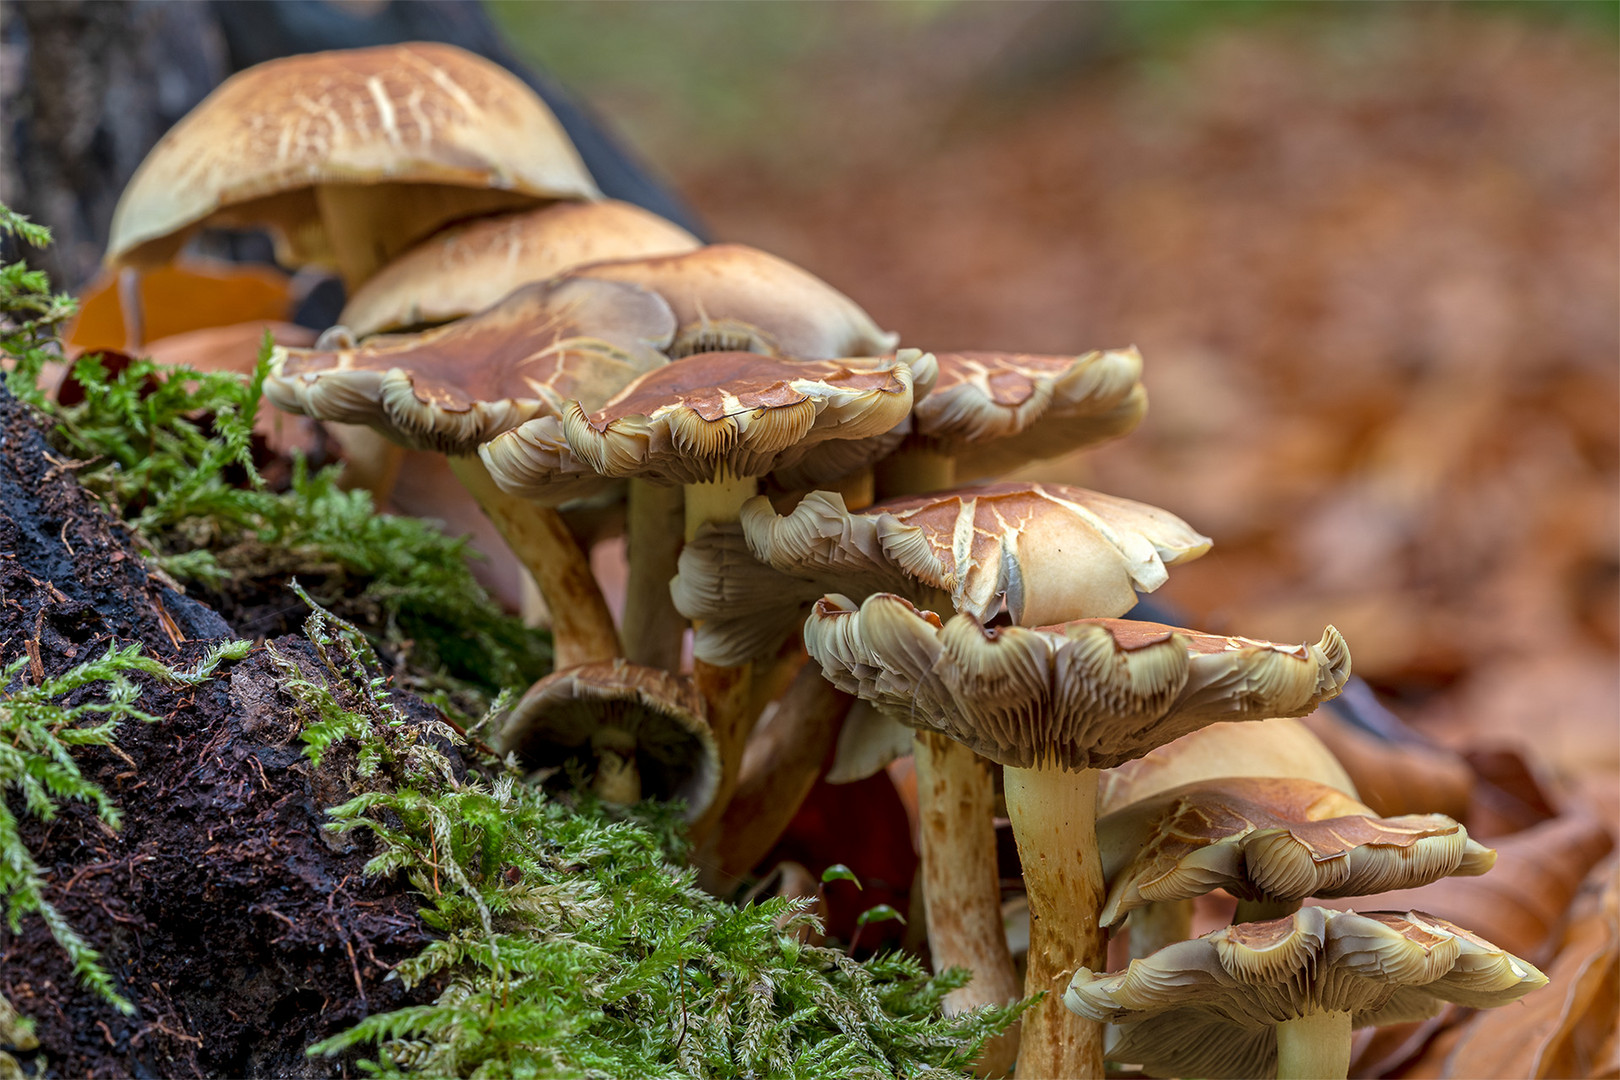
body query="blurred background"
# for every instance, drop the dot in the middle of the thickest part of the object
(1371, 254)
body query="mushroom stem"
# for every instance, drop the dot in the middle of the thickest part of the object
(1263, 910)
(347, 216)
(1153, 926)
(652, 628)
(371, 460)
(914, 469)
(726, 689)
(956, 798)
(1054, 820)
(1314, 1047)
(581, 625)
(618, 779)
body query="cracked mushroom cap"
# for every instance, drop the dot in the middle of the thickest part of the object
(605, 715)
(1086, 694)
(1272, 839)
(463, 132)
(994, 411)
(467, 268)
(1207, 1007)
(1047, 552)
(733, 298)
(455, 386)
(730, 414)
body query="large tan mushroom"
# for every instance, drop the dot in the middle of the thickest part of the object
(1280, 998)
(349, 157)
(450, 388)
(1053, 705)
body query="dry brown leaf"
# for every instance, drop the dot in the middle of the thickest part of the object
(1396, 778)
(191, 295)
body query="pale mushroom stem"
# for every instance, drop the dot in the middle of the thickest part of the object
(1263, 910)
(652, 628)
(347, 217)
(1153, 926)
(371, 460)
(726, 689)
(914, 469)
(1314, 1047)
(1054, 820)
(956, 798)
(581, 625)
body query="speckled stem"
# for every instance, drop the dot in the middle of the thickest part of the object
(1314, 1047)
(913, 470)
(956, 798)
(1264, 910)
(1054, 819)
(652, 629)
(581, 625)
(1153, 926)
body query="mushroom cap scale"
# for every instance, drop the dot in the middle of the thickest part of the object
(1086, 694)
(708, 416)
(1272, 838)
(652, 716)
(996, 411)
(1207, 1007)
(734, 298)
(467, 268)
(1048, 551)
(419, 113)
(454, 386)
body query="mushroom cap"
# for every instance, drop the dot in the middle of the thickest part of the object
(733, 298)
(1281, 746)
(995, 411)
(455, 386)
(418, 113)
(726, 414)
(1272, 839)
(660, 718)
(1047, 551)
(1086, 694)
(1207, 1007)
(467, 268)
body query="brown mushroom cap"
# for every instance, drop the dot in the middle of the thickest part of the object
(995, 411)
(455, 386)
(419, 114)
(1087, 694)
(1048, 551)
(1272, 839)
(467, 268)
(656, 718)
(715, 415)
(1207, 1007)
(732, 298)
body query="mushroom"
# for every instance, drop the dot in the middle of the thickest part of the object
(450, 388)
(466, 268)
(1280, 998)
(637, 732)
(994, 411)
(711, 424)
(1053, 705)
(1271, 841)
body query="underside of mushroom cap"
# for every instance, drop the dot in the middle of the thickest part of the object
(655, 717)
(995, 411)
(420, 113)
(708, 417)
(455, 386)
(1207, 1007)
(467, 268)
(1272, 839)
(733, 298)
(1046, 551)
(1085, 694)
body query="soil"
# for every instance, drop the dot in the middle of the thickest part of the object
(240, 932)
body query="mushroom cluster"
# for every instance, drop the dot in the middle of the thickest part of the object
(791, 483)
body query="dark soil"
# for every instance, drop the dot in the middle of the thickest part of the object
(239, 930)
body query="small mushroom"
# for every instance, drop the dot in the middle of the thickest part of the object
(466, 268)
(1047, 702)
(637, 732)
(450, 388)
(1280, 998)
(1271, 840)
